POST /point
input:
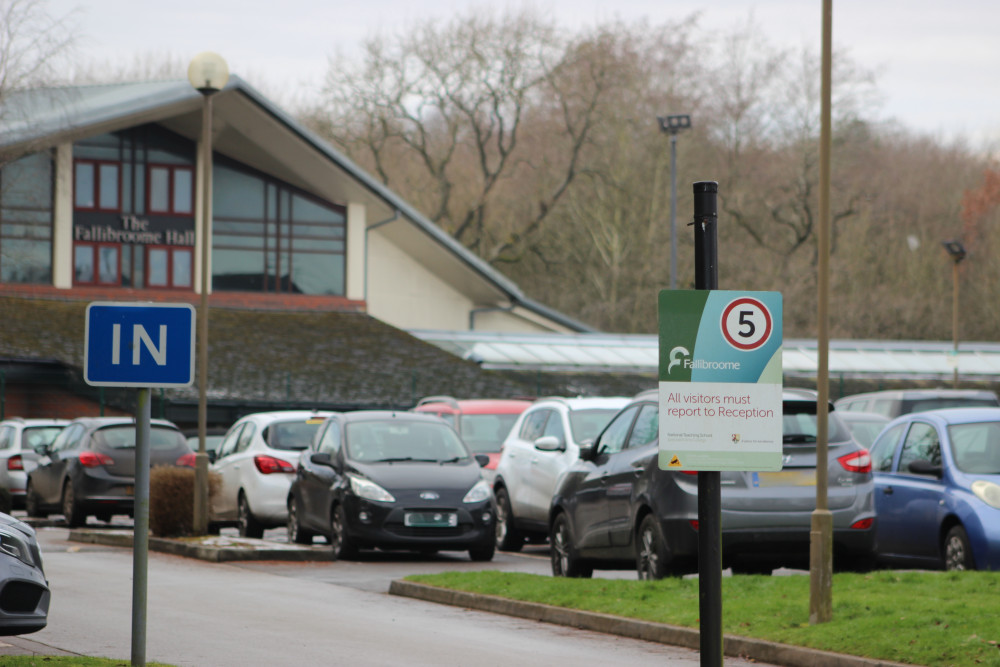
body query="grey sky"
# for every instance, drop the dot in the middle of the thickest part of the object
(938, 62)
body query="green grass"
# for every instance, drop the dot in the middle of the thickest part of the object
(937, 619)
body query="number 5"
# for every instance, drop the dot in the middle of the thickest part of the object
(745, 316)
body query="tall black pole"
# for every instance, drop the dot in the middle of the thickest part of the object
(706, 276)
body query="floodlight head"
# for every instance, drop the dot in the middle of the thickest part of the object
(955, 250)
(208, 72)
(675, 123)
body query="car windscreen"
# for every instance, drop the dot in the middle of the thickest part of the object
(588, 424)
(123, 437)
(976, 447)
(291, 435)
(398, 440)
(37, 436)
(954, 402)
(486, 433)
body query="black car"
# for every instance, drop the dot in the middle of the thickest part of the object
(89, 469)
(391, 480)
(615, 508)
(24, 592)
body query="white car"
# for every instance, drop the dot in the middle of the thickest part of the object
(256, 463)
(543, 443)
(18, 440)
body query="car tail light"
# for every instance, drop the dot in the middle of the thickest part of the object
(694, 524)
(186, 461)
(94, 459)
(268, 464)
(863, 524)
(15, 463)
(859, 461)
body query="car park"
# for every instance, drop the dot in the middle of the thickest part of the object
(615, 508)
(864, 426)
(895, 402)
(391, 480)
(256, 462)
(543, 443)
(483, 423)
(18, 440)
(937, 489)
(89, 469)
(24, 591)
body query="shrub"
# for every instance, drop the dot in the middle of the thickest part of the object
(171, 499)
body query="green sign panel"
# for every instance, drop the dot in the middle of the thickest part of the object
(720, 380)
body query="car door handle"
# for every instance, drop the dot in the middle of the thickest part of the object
(887, 490)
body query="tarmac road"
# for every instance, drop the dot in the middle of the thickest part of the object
(220, 614)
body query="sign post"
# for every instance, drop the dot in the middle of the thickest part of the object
(140, 345)
(720, 397)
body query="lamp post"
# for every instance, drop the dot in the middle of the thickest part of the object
(956, 251)
(208, 74)
(672, 125)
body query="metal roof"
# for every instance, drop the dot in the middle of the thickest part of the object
(639, 353)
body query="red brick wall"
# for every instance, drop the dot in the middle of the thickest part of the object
(20, 400)
(241, 300)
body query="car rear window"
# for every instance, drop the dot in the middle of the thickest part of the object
(36, 436)
(123, 437)
(798, 424)
(939, 403)
(291, 435)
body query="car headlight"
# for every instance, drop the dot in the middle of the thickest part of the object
(369, 490)
(14, 545)
(478, 493)
(988, 492)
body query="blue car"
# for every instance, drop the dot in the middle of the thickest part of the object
(937, 490)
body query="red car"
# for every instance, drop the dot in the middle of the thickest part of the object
(483, 423)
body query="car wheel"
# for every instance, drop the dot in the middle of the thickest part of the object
(33, 504)
(341, 543)
(296, 534)
(508, 538)
(565, 562)
(75, 516)
(957, 550)
(248, 525)
(652, 556)
(483, 553)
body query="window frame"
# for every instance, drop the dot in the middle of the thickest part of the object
(172, 170)
(96, 193)
(95, 248)
(171, 254)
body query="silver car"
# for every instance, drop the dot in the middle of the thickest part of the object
(19, 440)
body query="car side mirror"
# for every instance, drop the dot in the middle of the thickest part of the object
(588, 450)
(212, 455)
(322, 459)
(550, 443)
(925, 467)
(483, 460)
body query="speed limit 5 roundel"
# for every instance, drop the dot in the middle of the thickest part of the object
(746, 323)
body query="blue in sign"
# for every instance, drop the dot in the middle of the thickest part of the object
(139, 345)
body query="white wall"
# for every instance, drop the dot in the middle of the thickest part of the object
(62, 214)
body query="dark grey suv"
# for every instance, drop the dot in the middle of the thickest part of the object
(615, 508)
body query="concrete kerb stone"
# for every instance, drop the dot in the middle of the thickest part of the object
(213, 549)
(733, 646)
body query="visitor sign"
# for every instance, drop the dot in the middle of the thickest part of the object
(720, 380)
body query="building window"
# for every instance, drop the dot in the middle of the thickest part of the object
(169, 267)
(96, 264)
(171, 190)
(26, 220)
(97, 185)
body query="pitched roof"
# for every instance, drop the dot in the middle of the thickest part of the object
(45, 116)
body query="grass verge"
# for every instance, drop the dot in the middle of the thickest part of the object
(937, 619)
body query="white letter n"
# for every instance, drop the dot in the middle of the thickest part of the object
(159, 353)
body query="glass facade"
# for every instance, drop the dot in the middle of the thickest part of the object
(26, 187)
(133, 221)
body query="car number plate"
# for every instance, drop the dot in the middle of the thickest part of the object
(788, 478)
(430, 519)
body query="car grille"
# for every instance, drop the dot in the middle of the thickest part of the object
(20, 597)
(406, 531)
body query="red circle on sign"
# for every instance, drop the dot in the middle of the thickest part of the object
(754, 304)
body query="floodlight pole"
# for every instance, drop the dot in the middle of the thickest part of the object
(673, 125)
(956, 251)
(821, 529)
